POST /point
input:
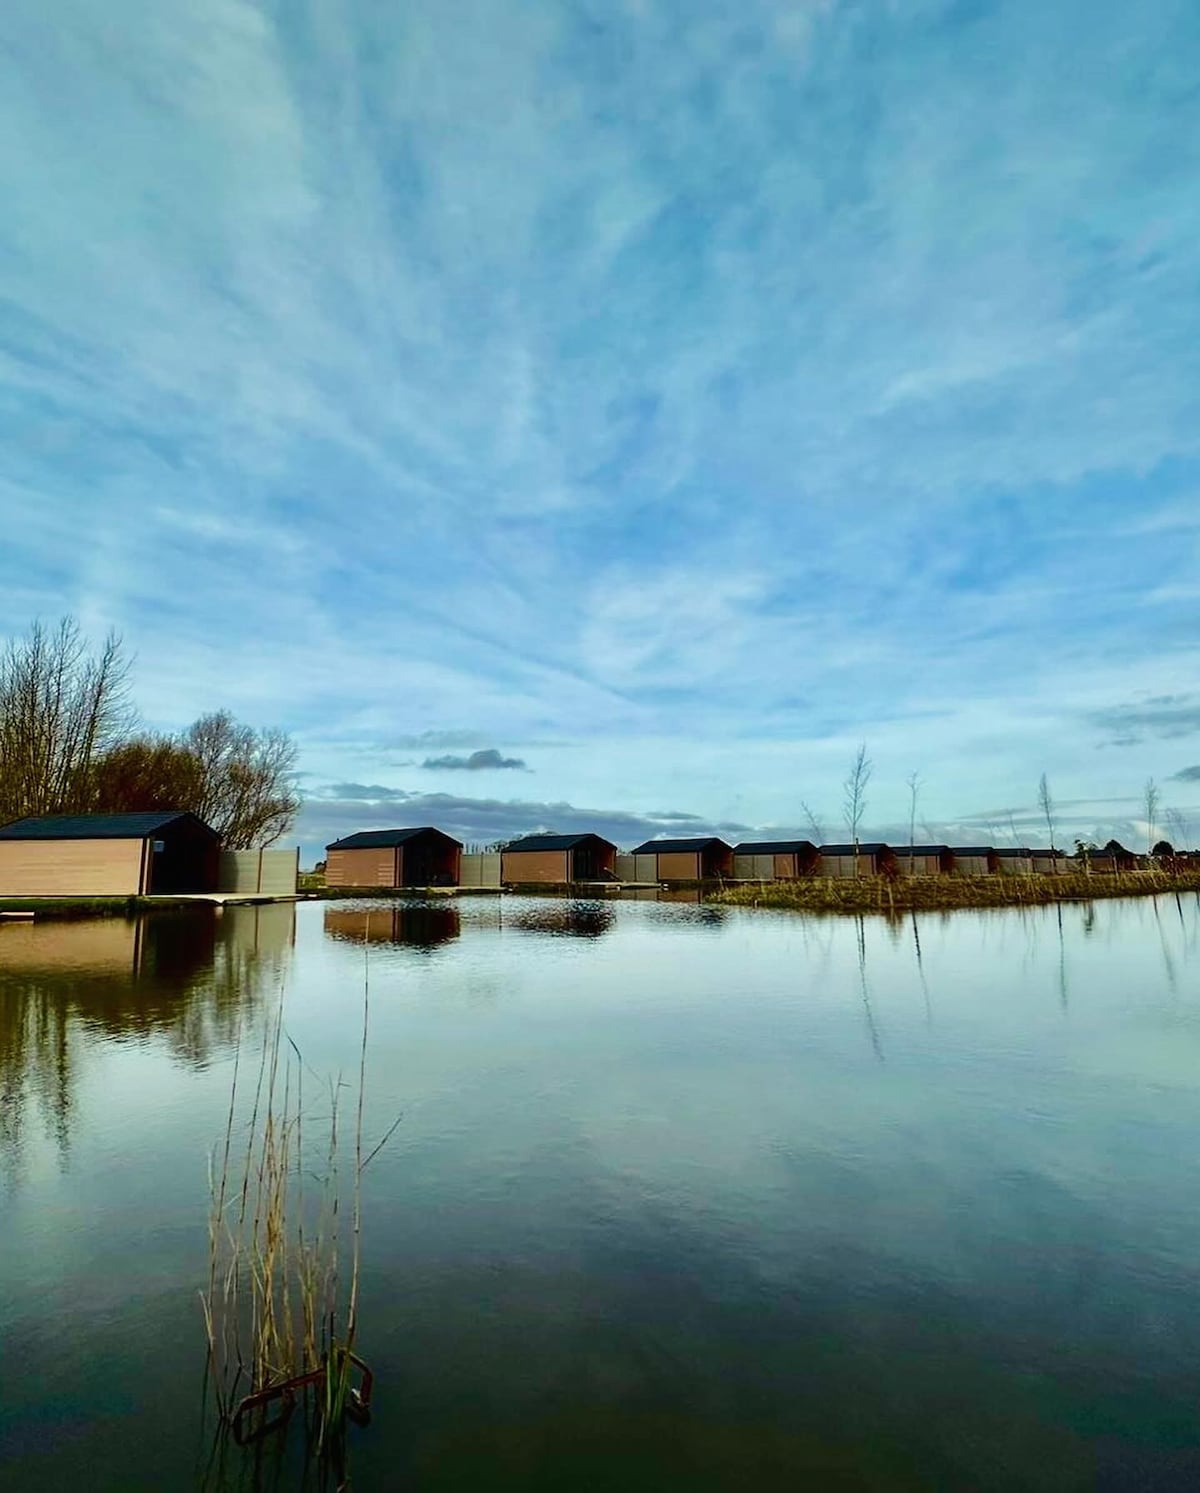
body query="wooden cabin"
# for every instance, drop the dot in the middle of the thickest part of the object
(394, 858)
(701, 858)
(775, 860)
(874, 859)
(108, 855)
(974, 860)
(542, 860)
(923, 860)
(1051, 863)
(1014, 862)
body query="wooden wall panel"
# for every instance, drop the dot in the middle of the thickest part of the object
(271, 872)
(375, 867)
(534, 866)
(70, 868)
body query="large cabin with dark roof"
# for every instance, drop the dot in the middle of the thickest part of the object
(155, 853)
(698, 858)
(558, 860)
(974, 860)
(394, 858)
(775, 860)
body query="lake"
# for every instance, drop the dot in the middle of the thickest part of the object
(680, 1196)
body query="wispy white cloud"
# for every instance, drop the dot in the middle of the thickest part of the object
(707, 388)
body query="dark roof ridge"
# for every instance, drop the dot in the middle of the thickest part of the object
(136, 825)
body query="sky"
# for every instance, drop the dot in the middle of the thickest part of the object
(607, 414)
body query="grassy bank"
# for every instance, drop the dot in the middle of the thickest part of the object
(945, 893)
(86, 907)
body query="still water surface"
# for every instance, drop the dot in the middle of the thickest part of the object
(681, 1197)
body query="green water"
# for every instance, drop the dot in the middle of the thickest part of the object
(681, 1198)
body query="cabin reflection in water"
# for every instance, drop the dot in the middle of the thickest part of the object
(193, 977)
(564, 919)
(420, 927)
(169, 949)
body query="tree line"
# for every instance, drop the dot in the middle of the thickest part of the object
(71, 743)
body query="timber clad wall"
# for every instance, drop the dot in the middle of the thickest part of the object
(373, 867)
(535, 866)
(679, 866)
(76, 868)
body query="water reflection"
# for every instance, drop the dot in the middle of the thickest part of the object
(423, 926)
(566, 919)
(656, 1206)
(916, 934)
(864, 988)
(191, 977)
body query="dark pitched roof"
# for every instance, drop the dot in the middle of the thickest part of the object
(774, 847)
(875, 847)
(96, 826)
(554, 842)
(919, 849)
(1009, 850)
(376, 839)
(971, 849)
(680, 847)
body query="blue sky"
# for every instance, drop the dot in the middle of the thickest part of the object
(656, 397)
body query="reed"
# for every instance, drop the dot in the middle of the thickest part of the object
(946, 893)
(281, 1303)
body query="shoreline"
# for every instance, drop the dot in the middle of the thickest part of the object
(951, 893)
(849, 896)
(63, 909)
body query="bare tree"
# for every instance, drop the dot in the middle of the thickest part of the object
(814, 824)
(1046, 804)
(854, 795)
(247, 789)
(61, 705)
(1150, 798)
(914, 789)
(1180, 827)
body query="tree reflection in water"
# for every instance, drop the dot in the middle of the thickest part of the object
(191, 977)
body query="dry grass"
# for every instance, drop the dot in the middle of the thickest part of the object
(282, 1300)
(934, 893)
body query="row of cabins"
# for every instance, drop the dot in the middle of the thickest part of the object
(174, 852)
(427, 857)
